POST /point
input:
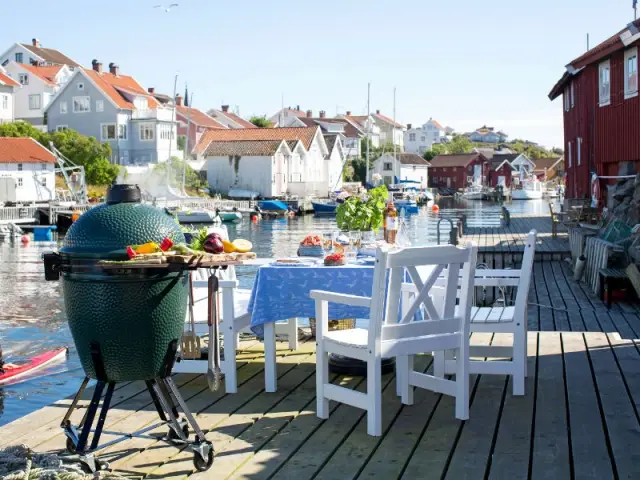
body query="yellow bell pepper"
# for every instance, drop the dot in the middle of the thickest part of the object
(149, 247)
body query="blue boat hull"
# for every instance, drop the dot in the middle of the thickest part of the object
(273, 206)
(324, 208)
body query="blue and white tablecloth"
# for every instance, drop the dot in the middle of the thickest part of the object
(281, 292)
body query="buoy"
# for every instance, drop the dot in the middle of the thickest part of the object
(292, 214)
(25, 239)
(75, 215)
(254, 218)
(435, 207)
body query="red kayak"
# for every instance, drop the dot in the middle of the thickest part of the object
(16, 373)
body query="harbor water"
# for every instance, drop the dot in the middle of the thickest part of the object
(32, 318)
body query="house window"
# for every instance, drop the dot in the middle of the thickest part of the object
(19, 182)
(423, 138)
(44, 181)
(605, 83)
(23, 79)
(566, 99)
(147, 132)
(573, 97)
(387, 166)
(569, 152)
(122, 132)
(108, 131)
(43, 167)
(80, 86)
(412, 137)
(99, 105)
(5, 63)
(166, 132)
(19, 57)
(34, 102)
(578, 150)
(81, 104)
(61, 128)
(631, 73)
(19, 167)
(63, 107)
(5, 102)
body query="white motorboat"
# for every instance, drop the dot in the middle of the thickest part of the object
(475, 192)
(531, 190)
(188, 217)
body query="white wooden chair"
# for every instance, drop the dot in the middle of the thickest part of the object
(234, 318)
(498, 319)
(389, 337)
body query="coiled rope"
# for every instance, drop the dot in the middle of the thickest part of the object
(21, 463)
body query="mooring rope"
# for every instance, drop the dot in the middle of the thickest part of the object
(21, 463)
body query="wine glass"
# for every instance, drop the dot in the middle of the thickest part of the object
(327, 242)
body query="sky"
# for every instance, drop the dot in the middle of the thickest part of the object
(465, 63)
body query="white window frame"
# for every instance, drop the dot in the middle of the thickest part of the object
(105, 127)
(62, 128)
(569, 154)
(64, 108)
(23, 78)
(150, 127)
(88, 102)
(573, 96)
(412, 137)
(390, 164)
(19, 55)
(122, 128)
(578, 150)
(604, 94)
(99, 105)
(629, 54)
(33, 97)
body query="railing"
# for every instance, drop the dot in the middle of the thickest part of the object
(152, 114)
(17, 214)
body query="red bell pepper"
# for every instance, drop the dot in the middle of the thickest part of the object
(166, 244)
(131, 252)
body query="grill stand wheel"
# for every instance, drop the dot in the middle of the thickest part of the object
(166, 399)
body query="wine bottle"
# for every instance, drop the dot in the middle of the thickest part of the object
(390, 222)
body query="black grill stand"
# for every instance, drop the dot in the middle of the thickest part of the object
(166, 398)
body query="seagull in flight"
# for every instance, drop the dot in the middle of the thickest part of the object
(167, 9)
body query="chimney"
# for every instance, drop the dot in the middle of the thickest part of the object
(323, 114)
(348, 113)
(225, 108)
(97, 66)
(35, 42)
(298, 107)
(179, 100)
(151, 90)
(309, 113)
(113, 69)
(377, 112)
(408, 126)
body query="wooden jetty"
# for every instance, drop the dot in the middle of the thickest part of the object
(578, 419)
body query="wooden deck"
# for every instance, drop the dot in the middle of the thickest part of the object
(509, 240)
(579, 418)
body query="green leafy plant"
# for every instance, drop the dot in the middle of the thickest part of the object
(198, 239)
(363, 214)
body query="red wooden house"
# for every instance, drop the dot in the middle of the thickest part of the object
(458, 170)
(192, 123)
(601, 111)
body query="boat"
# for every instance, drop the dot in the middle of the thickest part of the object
(531, 190)
(197, 216)
(324, 207)
(475, 192)
(405, 201)
(229, 216)
(273, 206)
(18, 373)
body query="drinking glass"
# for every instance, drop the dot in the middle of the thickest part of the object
(354, 243)
(327, 242)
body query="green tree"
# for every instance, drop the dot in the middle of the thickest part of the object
(439, 149)
(182, 142)
(458, 145)
(260, 122)
(178, 168)
(429, 155)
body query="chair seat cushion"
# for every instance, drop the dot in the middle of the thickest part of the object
(354, 337)
(200, 308)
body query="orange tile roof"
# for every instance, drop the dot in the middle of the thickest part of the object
(23, 150)
(7, 80)
(244, 148)
(239, 120)
(110, 84)
(359, 119)
(198, 117)
(436, 124)
(388, 120)
(48, 74)
(304, 134)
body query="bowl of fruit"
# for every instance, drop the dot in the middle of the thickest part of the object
(311, 246)
(335, 259)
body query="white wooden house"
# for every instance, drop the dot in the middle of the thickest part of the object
(27, 171)
(8, 86)
(403, 166)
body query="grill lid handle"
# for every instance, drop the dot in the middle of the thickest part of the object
(52, 264)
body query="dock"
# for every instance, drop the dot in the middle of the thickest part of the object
(578, 418)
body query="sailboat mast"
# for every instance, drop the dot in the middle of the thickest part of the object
(393, 137)
(366, 179)
(186, 147)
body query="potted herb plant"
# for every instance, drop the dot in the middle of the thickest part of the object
(363, 214)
